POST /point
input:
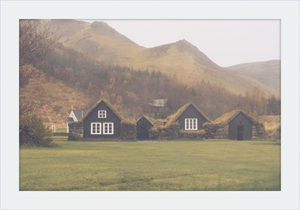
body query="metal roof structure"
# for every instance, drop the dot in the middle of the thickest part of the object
(159, 102)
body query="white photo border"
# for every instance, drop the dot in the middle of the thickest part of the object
(286, 11)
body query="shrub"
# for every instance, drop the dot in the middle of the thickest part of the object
(170, 131)
(154, 132)
(128, 129)
(33, 132)
(198, 134)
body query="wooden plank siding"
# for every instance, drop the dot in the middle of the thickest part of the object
(240, 119)
(191, 112)
(142, 126)
(111, 117)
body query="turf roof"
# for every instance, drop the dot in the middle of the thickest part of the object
(173, 118)
(154, 122)
(227, 117)
(107, 104)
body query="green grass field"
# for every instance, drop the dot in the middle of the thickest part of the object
(162, 165)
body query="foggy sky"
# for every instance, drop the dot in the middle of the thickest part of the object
(225, 42)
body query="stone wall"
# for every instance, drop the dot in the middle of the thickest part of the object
(258, 131)
(222, 133)
(75, 131)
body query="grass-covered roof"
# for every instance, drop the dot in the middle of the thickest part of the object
(227, 117)
(107, 104)
(154, 122)
(172, 118)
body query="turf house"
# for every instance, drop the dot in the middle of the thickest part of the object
(101, 121)
(236, 125)
(190, 118)
(74, 116)
(185, 123)
(144, 124)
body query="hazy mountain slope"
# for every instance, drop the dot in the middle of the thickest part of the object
(267, 73)
(57, 99)
(68, 28)
(99, 41)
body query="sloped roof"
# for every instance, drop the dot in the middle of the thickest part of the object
(107, 104)
(174, 117)
(79, 113)
(248, 116)
(159, 102)
(154, 122)
(229, 116)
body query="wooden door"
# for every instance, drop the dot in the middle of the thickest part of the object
(240, 132)
(143, 132)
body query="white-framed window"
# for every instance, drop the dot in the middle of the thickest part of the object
(191, 124)
(101, 113)
(108, 128)
(95, 128)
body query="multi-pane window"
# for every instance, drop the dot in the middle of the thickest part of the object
(191, 124)
(108, 128)
(95, 128)
(101, 113)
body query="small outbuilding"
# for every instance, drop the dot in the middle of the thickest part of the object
(142, 126)
(236, 125)
(145, 123)
(240, 126)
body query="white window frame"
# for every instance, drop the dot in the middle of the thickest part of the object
(112, 128)
(190, 121)
(101, 113)
(95, 123)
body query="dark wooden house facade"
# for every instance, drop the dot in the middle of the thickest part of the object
(142, 126)
(240, 127)
(191, 118)
(100, 121)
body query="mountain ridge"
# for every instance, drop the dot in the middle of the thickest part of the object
(266, 72)
(99, 41)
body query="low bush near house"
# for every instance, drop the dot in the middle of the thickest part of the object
(33, 132)
(128, 129)
(170, 131)
(199, 134)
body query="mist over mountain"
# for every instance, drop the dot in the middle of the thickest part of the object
(181, 59)
(267, 72)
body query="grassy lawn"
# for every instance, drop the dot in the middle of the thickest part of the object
(60, 138)
(162, 165)
(61, 130)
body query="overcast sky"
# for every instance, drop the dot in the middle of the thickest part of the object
(225, 42)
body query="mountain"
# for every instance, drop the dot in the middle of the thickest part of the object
(267, 72)
(99, 41)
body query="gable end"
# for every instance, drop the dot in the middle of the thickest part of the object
(204, 117)
(240, 112)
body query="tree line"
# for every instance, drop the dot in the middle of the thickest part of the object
(130, 90)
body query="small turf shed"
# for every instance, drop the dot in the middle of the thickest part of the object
(144, 123)
(189, 117)
(240, 127)
(236, 125)
(142, 126)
